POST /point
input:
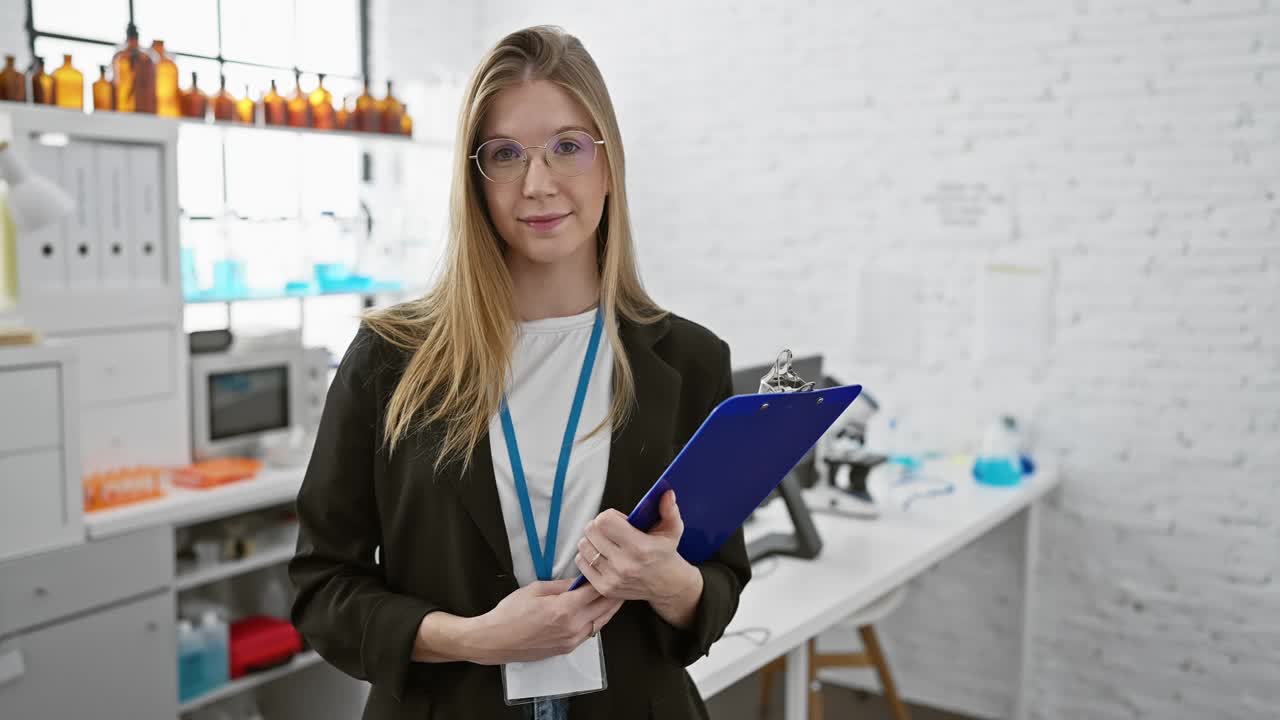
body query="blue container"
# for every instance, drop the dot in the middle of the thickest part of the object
(191, 662)
(331, 277)
(997, 471)
(229, 279)
(217, 652)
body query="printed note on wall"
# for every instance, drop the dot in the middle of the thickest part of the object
(1014, 311)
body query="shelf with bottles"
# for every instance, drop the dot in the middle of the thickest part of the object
(234, 546)
(137, 78)
(234, 259)
(243, 685)
(233, 605)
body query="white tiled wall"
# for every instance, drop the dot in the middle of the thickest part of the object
(776, 149)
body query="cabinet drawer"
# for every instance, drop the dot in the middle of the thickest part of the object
(34, 504)
(137, 432)
(117, 663)
(31, 413)
(39, 588)
(124, 365)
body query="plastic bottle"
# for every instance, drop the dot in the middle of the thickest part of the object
(217, 658)
(191, 656)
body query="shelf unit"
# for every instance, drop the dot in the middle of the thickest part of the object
(115, 117)
(143, 415)
(257, 561)
(182, 506)
(248, 682)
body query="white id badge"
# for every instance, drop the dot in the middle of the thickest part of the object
(575, 673)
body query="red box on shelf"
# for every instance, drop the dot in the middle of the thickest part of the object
(261, 643)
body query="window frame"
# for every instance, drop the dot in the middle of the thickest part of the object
(363, 39)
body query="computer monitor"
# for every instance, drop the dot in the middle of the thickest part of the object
(240, 398)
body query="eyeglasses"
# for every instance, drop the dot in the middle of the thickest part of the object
(503, 160)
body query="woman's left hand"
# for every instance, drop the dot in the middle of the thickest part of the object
(623, 563)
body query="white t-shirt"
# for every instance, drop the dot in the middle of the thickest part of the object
(547, 360)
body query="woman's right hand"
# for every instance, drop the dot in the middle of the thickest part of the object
(540, 620)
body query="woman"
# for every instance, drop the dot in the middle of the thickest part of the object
(426, 564)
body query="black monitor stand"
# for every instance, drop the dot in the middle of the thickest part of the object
(804, 542)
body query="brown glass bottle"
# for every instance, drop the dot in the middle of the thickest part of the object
(13, 84)
(273, 107)
(195, 104)
(298, 108)
(168, 96)
(134, 76)
(68, 86)
(321, 100)
(246, 108)
(224, 103)
(104, 94)
(367, 118)
(391, 110)
(41, 83)
(406, 122)
(342, 116)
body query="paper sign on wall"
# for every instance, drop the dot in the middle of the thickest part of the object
(1014, 311)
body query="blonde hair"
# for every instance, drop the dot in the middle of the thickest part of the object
(461, 333)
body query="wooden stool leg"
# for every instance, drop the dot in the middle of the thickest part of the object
(872, 645)
(767, 674)
(815, 689)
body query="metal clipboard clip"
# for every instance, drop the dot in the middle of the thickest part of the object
(782, 379)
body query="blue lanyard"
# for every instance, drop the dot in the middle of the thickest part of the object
(544, 560)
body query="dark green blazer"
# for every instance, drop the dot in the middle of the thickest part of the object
(443, 544)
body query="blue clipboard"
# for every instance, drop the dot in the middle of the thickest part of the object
(739, 454)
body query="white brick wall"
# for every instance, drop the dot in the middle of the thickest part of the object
(1139, 140)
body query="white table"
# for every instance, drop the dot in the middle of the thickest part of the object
(862, 560)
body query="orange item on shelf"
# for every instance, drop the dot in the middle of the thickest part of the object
(406, 123)
(342, 118)
(224, 103)
(114, 488)
(104, 94)
(134, 76)
(273, 107)
(321, 100)
(215, 472)
(195, 104)
(367, 118)
(41, 83)
(168, 96)
(13, 84)
(390, 109)
(246, 108)
(298, 108)
(68, 85)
